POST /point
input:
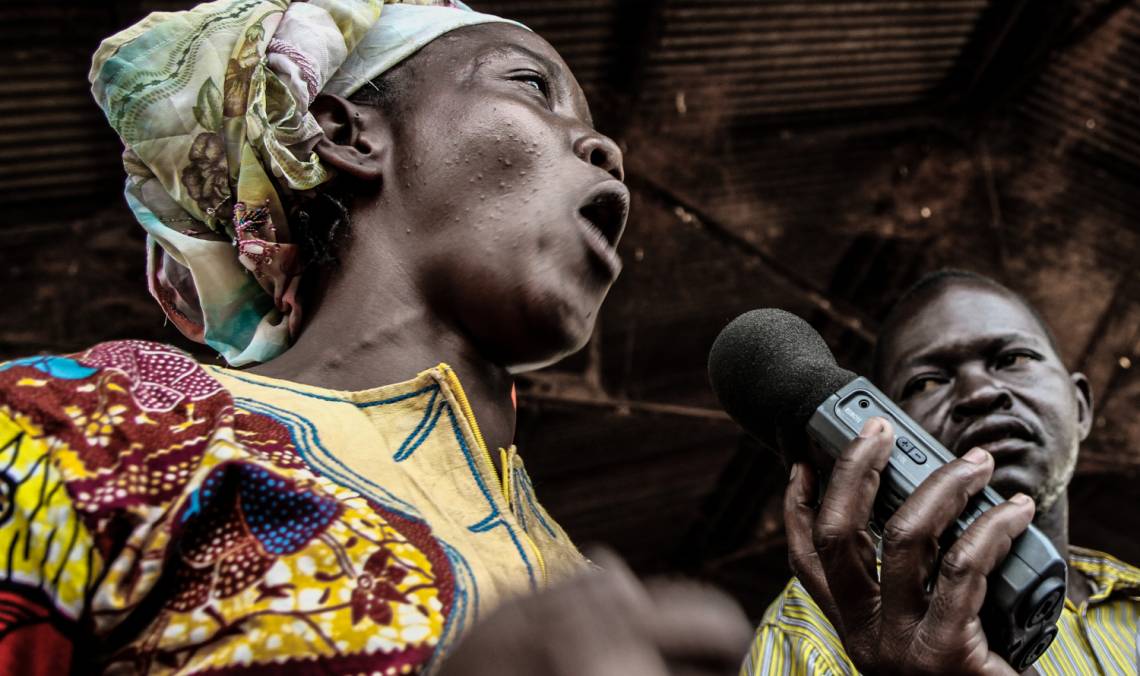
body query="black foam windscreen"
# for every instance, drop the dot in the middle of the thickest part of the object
(771, 370)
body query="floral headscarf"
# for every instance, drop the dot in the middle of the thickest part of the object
(212, 105)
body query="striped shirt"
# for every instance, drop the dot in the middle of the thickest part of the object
(1098, 637)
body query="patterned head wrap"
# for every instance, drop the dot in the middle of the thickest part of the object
(212, 105)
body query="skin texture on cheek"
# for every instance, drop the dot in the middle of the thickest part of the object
(1061, 461)
(490, 189)
(1057, 481)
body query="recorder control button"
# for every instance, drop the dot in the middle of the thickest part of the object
(907, 446)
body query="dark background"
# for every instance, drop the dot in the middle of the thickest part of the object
(817, 156)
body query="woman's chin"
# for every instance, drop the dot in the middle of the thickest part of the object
(517, 369)
(554, 350)
(538, 361)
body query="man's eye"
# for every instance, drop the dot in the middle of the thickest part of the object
(1012, 359)
(922, 385)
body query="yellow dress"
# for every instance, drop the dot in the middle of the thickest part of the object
(161, 516)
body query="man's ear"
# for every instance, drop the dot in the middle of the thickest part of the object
(1083, 394)
(355, 142)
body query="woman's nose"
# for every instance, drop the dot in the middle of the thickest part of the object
(601, 152)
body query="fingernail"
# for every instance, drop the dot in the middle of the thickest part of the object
(795, 471)
(1021, 499)
(976, 456)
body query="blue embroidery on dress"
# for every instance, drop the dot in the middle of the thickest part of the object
(313, 452)
(399, 397)
(457, 619)
(486, 524)
(466, 596)
(422, 430)
(494, 519)
(519, 509)
(529, 493)
(325, 397)
(311, 395)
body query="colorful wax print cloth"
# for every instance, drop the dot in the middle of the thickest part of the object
(1101, 636)
(212, 105)
(158, 516)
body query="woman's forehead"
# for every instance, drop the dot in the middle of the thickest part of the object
(503, 34)
(482, 43)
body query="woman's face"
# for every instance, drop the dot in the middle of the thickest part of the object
(511, 204)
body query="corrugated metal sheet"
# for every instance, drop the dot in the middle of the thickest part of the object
(733, 61)
(54, 142)
(708, 66)
(1087, 102)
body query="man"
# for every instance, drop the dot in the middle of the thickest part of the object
(977, 367)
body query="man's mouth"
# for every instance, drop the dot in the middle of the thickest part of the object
(603, 217)
(996, 434)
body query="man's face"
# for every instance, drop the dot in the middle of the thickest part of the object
(514, 202)
(975, 368)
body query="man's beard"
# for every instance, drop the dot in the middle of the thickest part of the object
(1056, 483)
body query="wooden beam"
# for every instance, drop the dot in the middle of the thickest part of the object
(838, 312)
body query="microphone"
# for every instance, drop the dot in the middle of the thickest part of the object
(773, 373)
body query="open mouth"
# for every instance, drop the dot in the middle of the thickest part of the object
(603, 215)
(993, 433)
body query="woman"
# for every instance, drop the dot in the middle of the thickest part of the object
(162, 516)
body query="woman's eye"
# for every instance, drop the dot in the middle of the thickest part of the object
(533, 80)
(921, 385)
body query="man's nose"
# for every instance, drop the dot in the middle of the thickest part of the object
(978, 392)
(602, 152)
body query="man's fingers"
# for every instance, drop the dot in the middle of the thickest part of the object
(799, 522)
(910, 536)
(996, 666)
(845, 548)
(960, 588)
(698, 625)
(619, 581)
(606, 559)
(602, 619)
(846, 506)
(674, 619)
(604, 607)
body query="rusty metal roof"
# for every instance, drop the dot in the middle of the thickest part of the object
(54, 143)
(759, 60)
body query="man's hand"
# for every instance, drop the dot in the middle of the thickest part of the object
(901, 624)
(606, 623)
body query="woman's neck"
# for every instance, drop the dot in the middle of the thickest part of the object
(358, 341)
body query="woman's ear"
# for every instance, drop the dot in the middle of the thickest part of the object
(356, 138)
(1083, 394)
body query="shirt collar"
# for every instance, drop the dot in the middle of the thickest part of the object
(1110, 576)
